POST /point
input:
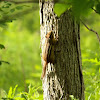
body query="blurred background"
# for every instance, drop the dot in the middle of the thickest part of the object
(21, 39)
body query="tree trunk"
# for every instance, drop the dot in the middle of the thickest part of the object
(64, 77)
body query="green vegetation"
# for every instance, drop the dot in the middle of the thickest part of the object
(32, 94)
(19, 46)
(21, 39)
(91, 58)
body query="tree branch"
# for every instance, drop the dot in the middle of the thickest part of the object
(95, 10)
(91, 30)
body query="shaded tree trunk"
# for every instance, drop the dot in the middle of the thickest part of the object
(64, 77)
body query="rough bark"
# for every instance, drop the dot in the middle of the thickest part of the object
(65, 77)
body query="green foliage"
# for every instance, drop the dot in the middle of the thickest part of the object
(91, 58)
(92, 74)
(21, 39)
(32, 94)
(11, 92)
(4, 62)
(80, 8)
(2, 46)
(60, 8)
(10, 11)
(98, 8)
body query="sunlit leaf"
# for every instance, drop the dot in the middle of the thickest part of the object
(99, 70)
(10, 93)
(36, 94)
(14, 91)
(60, 8)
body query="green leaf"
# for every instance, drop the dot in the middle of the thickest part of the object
(4, 62)
(19, 7)
(98, 8)
(14, 91)
(99, 70)
(0, 63)
(12, 10)
(2, 46)
(9, 4)
(10, 93)
(60, 8)
(36, 94)
(5, 6)
(23, 95)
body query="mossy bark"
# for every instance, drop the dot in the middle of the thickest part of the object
(64, 77)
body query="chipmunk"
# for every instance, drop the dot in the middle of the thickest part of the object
(48, 52)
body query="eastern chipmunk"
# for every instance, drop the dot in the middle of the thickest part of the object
(48, 52)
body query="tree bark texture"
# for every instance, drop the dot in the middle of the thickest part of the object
(64, 77)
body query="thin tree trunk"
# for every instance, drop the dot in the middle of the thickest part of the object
(64, 77)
